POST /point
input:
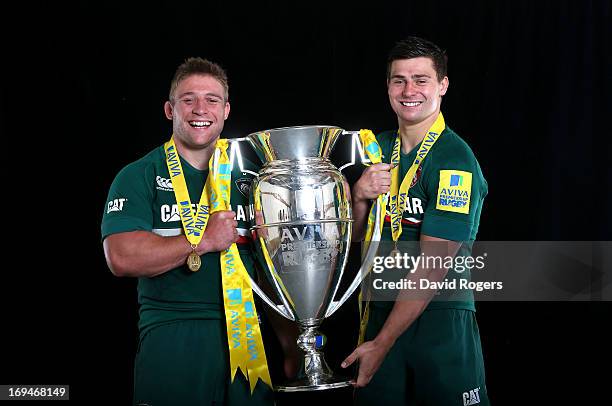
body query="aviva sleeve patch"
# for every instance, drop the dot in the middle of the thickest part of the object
(454, 191)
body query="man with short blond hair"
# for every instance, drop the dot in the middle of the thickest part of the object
(182, 356)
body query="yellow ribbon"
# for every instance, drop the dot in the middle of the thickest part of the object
(374, 153)
(243, 334)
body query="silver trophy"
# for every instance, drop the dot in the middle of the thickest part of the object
(302, 231)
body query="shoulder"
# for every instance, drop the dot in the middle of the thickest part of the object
(148, 165)
(452, 149)
(386, 136)
(452, 153)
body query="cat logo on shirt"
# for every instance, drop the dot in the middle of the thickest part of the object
(115, 205)
(454, 191)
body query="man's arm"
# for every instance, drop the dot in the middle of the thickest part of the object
(146, 254)
(406, 310)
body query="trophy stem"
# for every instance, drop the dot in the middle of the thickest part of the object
(314, 373)
(310, 342)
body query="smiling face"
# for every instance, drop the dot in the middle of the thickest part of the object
(198, 110)
(415, 93)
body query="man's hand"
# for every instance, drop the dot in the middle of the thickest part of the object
(220, 232)
(375, 180)
(259, 221)
(370, 354)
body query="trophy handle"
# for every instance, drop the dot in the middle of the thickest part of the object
(355, 146)
(365, 268)
(280, 309)
(235, 155)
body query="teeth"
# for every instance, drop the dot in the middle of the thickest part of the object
(410, 104)
(200, 123)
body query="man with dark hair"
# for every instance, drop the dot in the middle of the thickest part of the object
(415, 47)
(420, 350)
(154, 229)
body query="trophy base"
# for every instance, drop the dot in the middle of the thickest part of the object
(307, 385)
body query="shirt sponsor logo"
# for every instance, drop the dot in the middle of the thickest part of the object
(115, 205)
(471, 397)
(454, 191)
(413, 205)
(163, 184)
(169, 213)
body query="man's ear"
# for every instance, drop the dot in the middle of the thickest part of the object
(444, 84)
(168, 109)
(227, 110)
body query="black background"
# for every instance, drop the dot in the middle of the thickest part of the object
(83, 97)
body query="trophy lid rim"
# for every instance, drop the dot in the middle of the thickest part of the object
(296, 127)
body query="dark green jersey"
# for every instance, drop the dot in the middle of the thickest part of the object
(142, 198)
(445, 199)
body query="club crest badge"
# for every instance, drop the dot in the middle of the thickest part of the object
(244, 186)
(417, 176)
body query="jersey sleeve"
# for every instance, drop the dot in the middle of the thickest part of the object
(455, 190)
(129, 202)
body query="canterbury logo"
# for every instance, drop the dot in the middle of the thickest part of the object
(164, 184)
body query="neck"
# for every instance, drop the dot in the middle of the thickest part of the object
(413, 133)
(198, 158)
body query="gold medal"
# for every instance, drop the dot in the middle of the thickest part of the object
(193, 261)
(395, 251)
